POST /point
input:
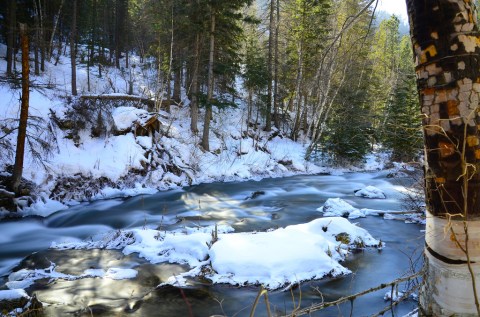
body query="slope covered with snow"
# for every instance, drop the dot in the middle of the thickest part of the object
(81, 149)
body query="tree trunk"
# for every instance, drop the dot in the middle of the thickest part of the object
(41, 11)
(12, 21)
(22, 126)
(446, 39)
(195, 88)
(271, 31)
(55, 24)
(208, 106)
(276, 114)
(177, 79)
(37, 39)
(72, 47)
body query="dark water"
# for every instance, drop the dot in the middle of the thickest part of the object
(280, 202)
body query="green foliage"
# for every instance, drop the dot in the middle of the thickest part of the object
(402, 134)
(348, 138)
(220, 102)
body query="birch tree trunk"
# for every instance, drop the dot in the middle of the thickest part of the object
(446, 44)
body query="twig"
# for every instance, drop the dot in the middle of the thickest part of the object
(189, 306)
(321, 306)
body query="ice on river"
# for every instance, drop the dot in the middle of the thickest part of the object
(275, 258)
(24, 278)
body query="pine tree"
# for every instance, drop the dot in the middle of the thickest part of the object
(402, 133)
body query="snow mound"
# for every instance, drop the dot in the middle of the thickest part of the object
(370, 192)
(337, 207)
(274, 258)
(13, 294)
(126, 117)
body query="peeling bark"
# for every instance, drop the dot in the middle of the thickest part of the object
(446, 43)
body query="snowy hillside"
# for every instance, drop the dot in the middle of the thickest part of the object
(95, 149)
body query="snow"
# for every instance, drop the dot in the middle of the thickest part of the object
(274, 258)
(135, 165)
(337, 207)
(121, 274)
(126, 117)
(43, 207)
(393, 295)
(370, 192)
(270, 258)
(13, 294)
(24, 278)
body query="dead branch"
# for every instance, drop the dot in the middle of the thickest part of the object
(317, 307)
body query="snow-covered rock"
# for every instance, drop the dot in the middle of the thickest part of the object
(337, 207)
(274, 259)
(370, 192)
(356, 214)
(12, 294)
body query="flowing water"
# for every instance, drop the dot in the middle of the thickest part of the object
(247, 206)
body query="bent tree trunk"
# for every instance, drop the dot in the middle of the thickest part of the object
(446, 45)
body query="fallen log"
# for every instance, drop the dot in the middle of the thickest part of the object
(150, 103)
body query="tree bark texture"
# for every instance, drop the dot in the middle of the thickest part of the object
(276, 114)
(446, 45)
(22, 126)
(72, 47)
(271, 32)
(11, 21)
(195, 88)
(208, 106)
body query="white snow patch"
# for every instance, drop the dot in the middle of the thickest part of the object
(43, 207)
(393, 295)
(126, 117)
(24, 278)
(13, 294)
(121, 274)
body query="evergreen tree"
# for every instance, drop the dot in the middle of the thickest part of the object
(402, 132)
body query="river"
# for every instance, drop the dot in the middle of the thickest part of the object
(278, 203)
